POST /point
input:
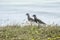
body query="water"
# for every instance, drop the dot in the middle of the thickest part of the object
(15, 14)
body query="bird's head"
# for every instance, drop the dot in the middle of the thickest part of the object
(27, 13)
(34, 15)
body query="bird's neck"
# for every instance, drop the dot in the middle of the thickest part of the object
(28, 16)
(35, 17)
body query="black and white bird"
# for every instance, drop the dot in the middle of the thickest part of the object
(38, 20)
(30, 20)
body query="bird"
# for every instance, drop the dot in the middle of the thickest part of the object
(31, 20)
(38, 20)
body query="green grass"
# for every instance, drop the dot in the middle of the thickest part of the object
(30, 33)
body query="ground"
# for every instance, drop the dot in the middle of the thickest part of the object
(30, 32)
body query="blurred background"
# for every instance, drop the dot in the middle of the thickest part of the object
(14, 11)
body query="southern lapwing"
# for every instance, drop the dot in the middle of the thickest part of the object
(38, 20)
(29, 18)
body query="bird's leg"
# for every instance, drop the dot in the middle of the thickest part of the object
(38, 25)
(26, 21)
(31, 23)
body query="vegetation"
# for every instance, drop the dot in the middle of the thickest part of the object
(30, 33)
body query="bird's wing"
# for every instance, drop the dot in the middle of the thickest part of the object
(40, 21)
(31, 19)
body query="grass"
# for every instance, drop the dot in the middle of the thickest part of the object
(30, 33)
